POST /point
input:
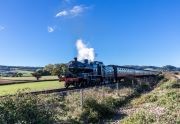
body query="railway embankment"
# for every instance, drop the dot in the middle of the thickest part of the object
(161, 105)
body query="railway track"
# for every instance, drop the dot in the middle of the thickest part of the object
(67, 89)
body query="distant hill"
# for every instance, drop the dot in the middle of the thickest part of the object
(28, 69)
(4, 69)
(164, 68)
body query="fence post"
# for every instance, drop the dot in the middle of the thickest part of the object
(133, 83)
(117, 88)
(117, 85)
(81, 98)
(103, 95)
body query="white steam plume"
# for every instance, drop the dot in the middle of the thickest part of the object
(84, 52)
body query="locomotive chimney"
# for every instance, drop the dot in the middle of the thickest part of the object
(75, 59)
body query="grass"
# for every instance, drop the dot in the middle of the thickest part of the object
(102, 95)
(25, 73)
(38, 86)
(141, 117)
(29, 78)
(162, 105)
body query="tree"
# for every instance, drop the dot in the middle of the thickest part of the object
(64, 69)
(40, 71)
(46, 73)
(49, 68)
(37, 75)
(20, 74)
(43, 72)
(56, 69)
(59, 69)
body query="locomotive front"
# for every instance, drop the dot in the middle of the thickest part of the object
(84, 73)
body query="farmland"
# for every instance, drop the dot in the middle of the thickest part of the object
(5, 80)
(29, 78)
(10, 85)
(33, 86)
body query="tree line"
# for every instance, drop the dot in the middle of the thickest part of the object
(51, 69)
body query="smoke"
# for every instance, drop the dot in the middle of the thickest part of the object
(84, 52)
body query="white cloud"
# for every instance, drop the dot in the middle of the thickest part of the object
(62, 13)
(74, 11)
(50, 29)
(2, 28)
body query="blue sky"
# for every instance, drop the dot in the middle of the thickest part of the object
(137, 32)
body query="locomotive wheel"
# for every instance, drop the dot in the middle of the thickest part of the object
(92, 83)
(85, 83)
(66, 85)
(81, 84)
(77, 84)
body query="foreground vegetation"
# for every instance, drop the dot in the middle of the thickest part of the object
(98, 105)
(159, 106)
(127, 105)
(30, 109)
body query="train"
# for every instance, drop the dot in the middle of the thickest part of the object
(88, 73)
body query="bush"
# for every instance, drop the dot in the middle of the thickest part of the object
(94, 112)
(141, 117)
(25, 109)
(143, 87)
(176, 84)
(176, 73)
(145, 99)
(111, 102)
(170, 118)
(161, 77)
(169, 99)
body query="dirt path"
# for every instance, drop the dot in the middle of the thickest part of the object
(5, 81)
(178, 76)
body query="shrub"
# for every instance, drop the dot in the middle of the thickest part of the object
(169, 99)
(170, 118)
(94, 112)
(176, 84)
(162, 77)
(145, 99)
(111, 102)
(25, 109)
(176, 73)
(141, 117)
(143, 87)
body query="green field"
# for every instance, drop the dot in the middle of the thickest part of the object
(29, 78)
(38, 86)
(25, 73)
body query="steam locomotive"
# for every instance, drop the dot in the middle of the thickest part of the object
(87, 73)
